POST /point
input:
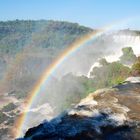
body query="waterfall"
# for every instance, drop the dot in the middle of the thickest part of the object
(123, 40)
(129, 40)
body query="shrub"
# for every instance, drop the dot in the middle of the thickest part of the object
(128, 56)
(135, 70)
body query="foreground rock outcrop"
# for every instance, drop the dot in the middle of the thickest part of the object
(107, 114)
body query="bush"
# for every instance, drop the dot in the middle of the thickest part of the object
(135, 70)
(9, 107)
(128, 56)
(3, 117)
(110, 74)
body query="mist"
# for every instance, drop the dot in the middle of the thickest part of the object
(66, 86)
(21, 70)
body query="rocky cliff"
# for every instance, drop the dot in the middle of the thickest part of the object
(107, 114)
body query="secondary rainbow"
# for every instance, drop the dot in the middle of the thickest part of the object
(51, 69)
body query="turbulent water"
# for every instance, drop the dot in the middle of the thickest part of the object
(108, 46)
(107, 114)
(131, 40)
(19, 73)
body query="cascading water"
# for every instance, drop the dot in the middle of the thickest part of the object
(129, 40)
(122, 39)
(82, 63)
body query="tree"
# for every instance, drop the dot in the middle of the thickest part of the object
(128, 56)
(103, 62)
(135, 70)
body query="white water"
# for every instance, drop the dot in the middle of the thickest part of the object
(96, 64)
(127, 40)
(122, 41)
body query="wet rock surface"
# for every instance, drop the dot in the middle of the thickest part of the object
(107, 114)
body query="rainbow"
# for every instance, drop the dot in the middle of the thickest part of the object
(50, 70)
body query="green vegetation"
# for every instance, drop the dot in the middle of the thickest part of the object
(3, 132)
(9, 107)
(10, 121)
(46, 40)
(3, 117)
(74, 88)
(128, 56)
(39, 43)
(110, 74)
(18, 34)
(135, 70)
(21, 94)
(103, 62)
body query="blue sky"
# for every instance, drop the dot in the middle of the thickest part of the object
(92, 13)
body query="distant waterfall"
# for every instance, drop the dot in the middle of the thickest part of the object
(128, 40)
(123, 40)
